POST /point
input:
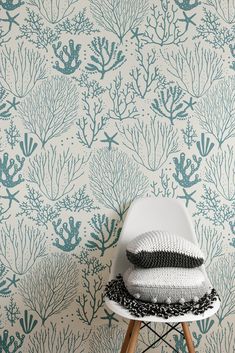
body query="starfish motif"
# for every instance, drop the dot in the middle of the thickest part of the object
(110, 140)
(10, 197)
(136, 34)
(13, 281)
(109, 317)
(13, 104)
(190, 104)
(11, 20)
(187, 19)
(188, 197)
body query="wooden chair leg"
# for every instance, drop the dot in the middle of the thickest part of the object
(188, 337)
(127, 336)
(134, 337)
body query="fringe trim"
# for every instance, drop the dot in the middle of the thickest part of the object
(115, 290)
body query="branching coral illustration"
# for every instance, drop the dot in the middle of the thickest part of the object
(103, 102)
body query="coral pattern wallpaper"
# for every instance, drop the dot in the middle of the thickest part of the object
(101, 102)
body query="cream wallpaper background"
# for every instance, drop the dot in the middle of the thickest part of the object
(102, 102)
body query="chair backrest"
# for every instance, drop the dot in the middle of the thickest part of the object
(146, 214)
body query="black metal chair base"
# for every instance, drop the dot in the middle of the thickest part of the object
(161, 337)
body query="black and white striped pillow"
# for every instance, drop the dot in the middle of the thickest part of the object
(163, 249)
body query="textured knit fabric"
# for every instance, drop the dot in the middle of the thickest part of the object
(166, 284)
(116, 291)
(163, 249)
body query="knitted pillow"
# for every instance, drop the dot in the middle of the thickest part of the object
(166, 285)
(163, 249)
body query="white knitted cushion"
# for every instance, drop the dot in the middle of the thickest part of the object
(167, 284)
(163, 249)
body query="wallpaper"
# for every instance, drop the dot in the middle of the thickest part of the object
(102, 102)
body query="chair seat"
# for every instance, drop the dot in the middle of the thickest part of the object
(119, 310)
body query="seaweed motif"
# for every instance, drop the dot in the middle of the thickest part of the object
(27, 146)
(105, 233)
(49, 169)
(68, 233)
(24, 67)
(27, 322)
(116, 180)
(20, 247)
(205, 325)
(106, 56)
(50, 286)
(151, 143)
(215, 110)
(205, 145)
(195, 69)
(185, 168)
(50, 109)
(54, 10)
(119, 17)
(68, 56)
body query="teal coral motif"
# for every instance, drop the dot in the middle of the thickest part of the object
(28, 146)
(106, 56)
(11, 344)
(187, 5)
(163, 27)
(105, 233)
(27, 322)
(185, 169)
(171, 105)
(11, 5)
(68, 233)
(204, 146)
(103, 102)
(68, 56)
(9, 168)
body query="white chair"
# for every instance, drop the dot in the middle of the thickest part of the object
(146, 214)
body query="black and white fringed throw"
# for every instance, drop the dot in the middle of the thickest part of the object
(115, 290)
